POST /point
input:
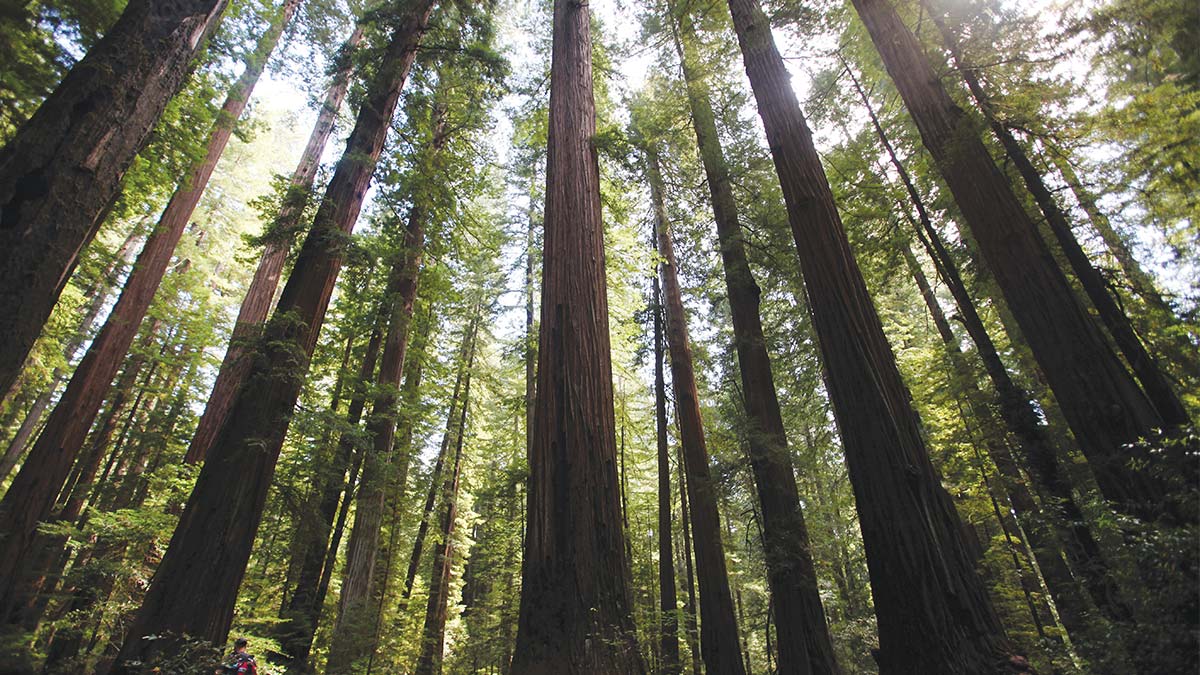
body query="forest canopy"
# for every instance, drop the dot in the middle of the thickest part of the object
(735, 337)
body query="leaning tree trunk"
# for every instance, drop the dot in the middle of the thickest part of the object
(261, 291)
(669, 663)
(718, 625)
(576, 601)
(433, 635)
(1145, 367)
(805, 644)
(41, 477)
(1100, 400)
(195, 587)
(61, 173)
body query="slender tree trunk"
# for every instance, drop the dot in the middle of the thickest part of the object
(257, 303)
(355, 617)
(61, 173)
(576, 601)
(805, 643)
(194, 589)
(669, 663)
(32, 493)
(718, 625)
(1145, 367)
(1101, 402)
(304, 608)
(433, 636)
(449, 436)
(691, 629)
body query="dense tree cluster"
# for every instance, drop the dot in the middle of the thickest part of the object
(568, 338)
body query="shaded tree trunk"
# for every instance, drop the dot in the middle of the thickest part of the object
(690, 629)
(433, 636)
(669, 663)
(1101, 402)
(1145, 367)
(62, 171)
(718, 625)
(257, 303)
(805, 643)
(49, 462)
(576, 602)
(194, 590)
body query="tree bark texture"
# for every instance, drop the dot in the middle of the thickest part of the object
(433, 635)
(805, 645)
(718, 625)
(1100, 400)
(257, 303)
(1145, 366)
(576, 602)
(62, 171)
(669, 663)
(41, 477)
(195, 587)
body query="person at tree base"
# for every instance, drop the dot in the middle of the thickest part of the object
(243, 663)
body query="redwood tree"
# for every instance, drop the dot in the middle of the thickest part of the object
(41, 477)
(575, 601)
(62, 171)
(196, 584)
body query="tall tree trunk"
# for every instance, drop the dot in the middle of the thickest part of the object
(355, 617)
(257, 303)
(433, 636)
(61, 173)
(1098, 397)
(805, 645)
(689, 611)
(304, 608)
(449, 436)
(669, 663)
(194, 589)
(718, 625)
(41, 477)
(1145, 367)
(576, 601)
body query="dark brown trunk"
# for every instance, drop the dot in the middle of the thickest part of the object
(689, 611)
(576, 601)
(805, 645)
(669, 663)
(718, 625)
(261, 292)
(433, 636)
(62, 171)
(1145, 367)
(49, 462)
(1099, 399)
(196, 585)
(304, 608)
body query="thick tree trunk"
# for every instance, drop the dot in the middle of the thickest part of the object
(1098, 397)
(433, 636)
(304, 608)
(1145, 367)
(257, 303)
(49, 462)
(669, 663)
(576, 601)
(805, 645)
(62, 171)
(691, 629)
(718, 625)
(195, 588)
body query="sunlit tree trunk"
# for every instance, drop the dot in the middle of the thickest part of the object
(576, 601)
(195, 587)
